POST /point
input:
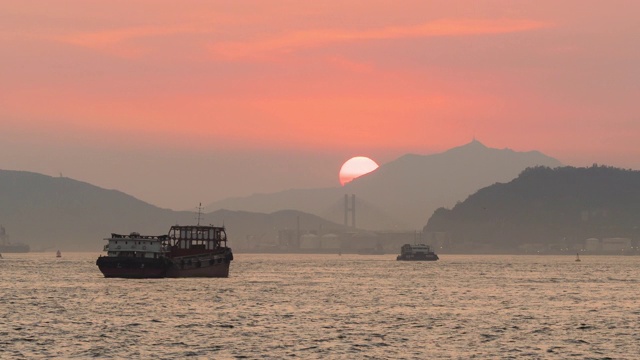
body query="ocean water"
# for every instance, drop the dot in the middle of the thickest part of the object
(326, 307)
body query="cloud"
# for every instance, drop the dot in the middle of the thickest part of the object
(118, 41)
(132, 42)
(315, 38)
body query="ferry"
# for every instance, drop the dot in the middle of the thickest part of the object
(417, 252)
(186, 251)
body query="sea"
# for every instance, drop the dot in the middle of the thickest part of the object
(330, 306)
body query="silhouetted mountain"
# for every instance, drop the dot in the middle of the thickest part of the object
(546, 209)
(402, 194)
(55, 212)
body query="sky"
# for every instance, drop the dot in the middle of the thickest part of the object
(181, 102)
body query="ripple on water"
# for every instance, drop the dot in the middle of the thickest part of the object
(325, 306)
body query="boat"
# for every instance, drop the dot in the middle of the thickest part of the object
(7, 246)
(186, 251)
(417, 252)
(578, 257)
(58, 254)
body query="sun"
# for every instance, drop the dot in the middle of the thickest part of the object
(355, 167)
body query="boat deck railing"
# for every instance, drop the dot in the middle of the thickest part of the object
(138, 237)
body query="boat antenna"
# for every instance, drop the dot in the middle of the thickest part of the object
(199, 213)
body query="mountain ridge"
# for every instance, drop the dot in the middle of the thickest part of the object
(544, 208)
(56, 212)
(408, 188)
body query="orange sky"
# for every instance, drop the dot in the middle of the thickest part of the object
(292, 89)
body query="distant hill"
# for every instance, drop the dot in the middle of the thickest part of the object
(56, 212)
(544, 208)
(402, 194)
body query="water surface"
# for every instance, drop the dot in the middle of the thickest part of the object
(324, 307)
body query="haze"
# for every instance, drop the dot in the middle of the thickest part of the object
(178, 103)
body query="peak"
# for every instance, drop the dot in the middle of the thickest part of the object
(474, 145)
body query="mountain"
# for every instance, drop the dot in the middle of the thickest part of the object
(544, 209)
(56, 212)
(403, 193)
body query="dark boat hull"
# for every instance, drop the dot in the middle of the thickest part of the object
(127, 267)
(210, 265)
(207, 265)
(428, 257)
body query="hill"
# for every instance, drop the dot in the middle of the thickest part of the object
(402, 194)
(544, 209)
(56, 212)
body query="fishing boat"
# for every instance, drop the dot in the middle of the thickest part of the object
(58, 254)
(417, 252)
(186, 251)
(578, 257)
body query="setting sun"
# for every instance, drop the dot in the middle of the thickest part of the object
(355, 167)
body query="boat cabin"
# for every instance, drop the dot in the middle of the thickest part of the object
(415, 249)
(136, 245)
